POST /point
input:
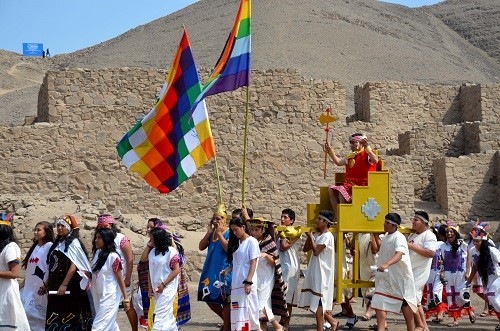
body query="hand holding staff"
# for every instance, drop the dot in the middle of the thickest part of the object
(326, 119)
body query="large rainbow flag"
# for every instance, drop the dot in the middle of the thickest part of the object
(170, 143)
(233, 67)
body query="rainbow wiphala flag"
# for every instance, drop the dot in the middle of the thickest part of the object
(171, 142)
(233, 67)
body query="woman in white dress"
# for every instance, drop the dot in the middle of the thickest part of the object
(12, 315)
(33, 293)
(164, 271)
(454, 257)
(243, 252)
(486, 262)
(271, 288)
(108, 287)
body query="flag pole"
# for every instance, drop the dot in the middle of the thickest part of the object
(245, 139)
(219, 186)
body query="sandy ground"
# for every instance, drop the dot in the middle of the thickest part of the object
(204, 319)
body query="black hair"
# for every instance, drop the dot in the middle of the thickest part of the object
(327, 214)
(156, 221)
(394, 217)
(290, 214)
(73, 234)
(97, 230)
(456, 244)
(234, 242)
(108, 237)
(484, 261)
(238, 212)
(49, 237)
(442, 230)
(422, 214)
(161, 239)
(6, 236)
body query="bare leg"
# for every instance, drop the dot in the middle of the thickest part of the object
(408, 314)
(320, 319)
(132, 318)
(335, 199)
(382, 319)
(333, 322)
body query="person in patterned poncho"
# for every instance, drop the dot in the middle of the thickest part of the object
(271, 288)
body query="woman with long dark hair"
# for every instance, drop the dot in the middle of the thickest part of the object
(11, 309)
(243, 252)
(164, 271)
(486, 262)
(69, 275)
(143, 273)
(33, 293)
(108, 287)
(454, 257)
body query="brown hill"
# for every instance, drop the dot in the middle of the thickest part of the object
(477, 21)
(351, 41)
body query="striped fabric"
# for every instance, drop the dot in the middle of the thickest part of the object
(170, 143)
(233, 67)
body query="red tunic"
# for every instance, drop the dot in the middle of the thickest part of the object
(356, 173)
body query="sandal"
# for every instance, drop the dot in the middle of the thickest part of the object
(366, 318)
(451, 325)
(497, 328)
(350, 325)
(437, 320)
(375, 327)
(472, 318)
(341, 314)
(484, 314)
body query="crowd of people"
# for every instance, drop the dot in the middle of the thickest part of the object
(250, 277)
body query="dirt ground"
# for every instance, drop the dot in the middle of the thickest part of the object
(203, 319)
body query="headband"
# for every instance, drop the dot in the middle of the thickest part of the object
(326, 219)
(69, 222)
(420, 217)
(105, 220)
(261, 222)
(358, 138)
(392, 222)
(6, 219)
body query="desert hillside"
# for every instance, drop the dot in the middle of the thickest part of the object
(352, 41)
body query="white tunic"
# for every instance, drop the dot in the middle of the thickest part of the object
(106, 294)
(12, 315)
(366, 259)
(492, 289)
(34, 304)
(421, 265)
(318, 282)
(290, 268)
(396, 285)
(160, 267)
(244, 307)
(265, 284)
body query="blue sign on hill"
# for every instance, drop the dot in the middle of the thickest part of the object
(32, 49)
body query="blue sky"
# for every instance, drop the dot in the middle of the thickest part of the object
(65, 26)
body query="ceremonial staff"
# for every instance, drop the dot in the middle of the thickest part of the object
(326, 119)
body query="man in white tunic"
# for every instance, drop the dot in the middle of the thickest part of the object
(289, 245)
(394, 287)
(422, 246)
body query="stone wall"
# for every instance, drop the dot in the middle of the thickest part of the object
(84, 113)
(467, 186)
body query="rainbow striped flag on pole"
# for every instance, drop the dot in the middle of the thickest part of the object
(233, 67)
(170, 143)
